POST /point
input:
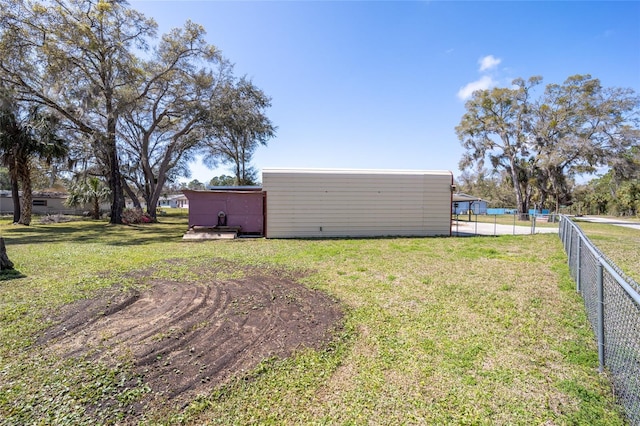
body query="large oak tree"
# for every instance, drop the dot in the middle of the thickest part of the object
(76, 57)
(239, 125)
(580, 126)
(137, 116)
(543, 143)
(169, 118)
(497, 127)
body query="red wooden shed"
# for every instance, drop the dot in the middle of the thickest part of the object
(236, 208)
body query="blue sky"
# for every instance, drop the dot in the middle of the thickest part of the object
(382, 84)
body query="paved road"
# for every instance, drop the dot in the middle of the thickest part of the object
(617, 222)
(466, 229)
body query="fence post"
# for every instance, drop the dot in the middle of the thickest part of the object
(600, 285)
(569, 240)
(533, 225)
(579, 265)
(457, 233)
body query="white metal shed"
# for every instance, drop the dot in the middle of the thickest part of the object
(303, 203)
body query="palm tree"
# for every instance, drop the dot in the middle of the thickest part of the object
(10, 136)
(91, 191)
(22, 137)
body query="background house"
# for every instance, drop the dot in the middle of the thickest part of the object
(45, 202)
(465, 203)
(174, 201)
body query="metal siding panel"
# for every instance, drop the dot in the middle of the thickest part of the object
(351, 204)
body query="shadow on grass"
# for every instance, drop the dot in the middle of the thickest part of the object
(94, 231)
(11, 274)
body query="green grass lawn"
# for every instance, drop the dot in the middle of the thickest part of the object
(437, 331)
(620, 244)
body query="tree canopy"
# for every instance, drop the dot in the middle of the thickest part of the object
(135, 112)
(542, 144)
(222, 180)
(90, 191)
(239, 125)
(617, 192)
(169, 119)
(25, 136)
(76, 58)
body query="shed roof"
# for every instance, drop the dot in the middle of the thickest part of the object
(235, 188)
(223, 189)
(357, 171)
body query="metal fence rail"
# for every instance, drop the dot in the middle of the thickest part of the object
(612, 302)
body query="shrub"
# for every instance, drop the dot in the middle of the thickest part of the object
(134, 216)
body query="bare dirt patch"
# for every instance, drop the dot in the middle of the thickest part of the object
(186, 336)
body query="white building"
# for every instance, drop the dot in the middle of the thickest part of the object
(356, 203)
(173, 201)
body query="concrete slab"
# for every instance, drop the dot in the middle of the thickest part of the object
(210, 235)
(467, 229)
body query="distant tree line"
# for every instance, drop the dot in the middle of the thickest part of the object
(536, 146)
(604, 195)
(123, 105)
(609, 194)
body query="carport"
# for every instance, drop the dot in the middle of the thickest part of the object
(461, 197)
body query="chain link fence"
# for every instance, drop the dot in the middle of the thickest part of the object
(612, 302)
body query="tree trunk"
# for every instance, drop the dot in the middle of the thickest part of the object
(115, 178)
(117, 206)
(237, 160)
(152, 203)
(96, 208)
(132, 195)
(27, 195)
(521, 202)
(242, 162)
(15, 195)
(5, 263)
(523, 213)
(528, 191)
(152, 207)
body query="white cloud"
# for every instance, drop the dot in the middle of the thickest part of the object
(485, 82)
(488, 62)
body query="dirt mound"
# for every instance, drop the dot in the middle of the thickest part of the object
(186, 336)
